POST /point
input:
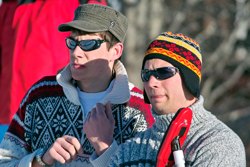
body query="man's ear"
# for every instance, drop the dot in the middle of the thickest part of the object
(116, 51)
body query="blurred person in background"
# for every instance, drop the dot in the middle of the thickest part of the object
(7, 41)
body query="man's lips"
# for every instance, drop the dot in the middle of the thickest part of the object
(77, 66)
(157, 96)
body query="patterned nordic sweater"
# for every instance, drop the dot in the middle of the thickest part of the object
(209, 143)
(52, 109)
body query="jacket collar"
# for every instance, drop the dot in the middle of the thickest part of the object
(119, 94)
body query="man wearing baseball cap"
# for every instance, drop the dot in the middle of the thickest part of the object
(53, 125)
(171, 73)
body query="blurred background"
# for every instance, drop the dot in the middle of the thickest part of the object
(222, 28)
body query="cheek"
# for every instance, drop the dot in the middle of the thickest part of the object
(171, 88)
(70, 53)
(176, 91)
(146, 87)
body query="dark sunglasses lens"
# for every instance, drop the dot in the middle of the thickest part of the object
(160, 73)
(164, 73)
(71, 44)
(87, 44)
(145, 75)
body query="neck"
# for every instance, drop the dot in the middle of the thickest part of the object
(99, 85)
(191, 102)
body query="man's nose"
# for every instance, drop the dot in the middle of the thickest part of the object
(77, 52)
(153, 81)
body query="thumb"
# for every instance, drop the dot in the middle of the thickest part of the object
(109, 111)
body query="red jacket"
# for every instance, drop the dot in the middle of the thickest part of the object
(31, 47)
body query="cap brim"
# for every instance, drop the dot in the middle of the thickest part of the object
(81, 25)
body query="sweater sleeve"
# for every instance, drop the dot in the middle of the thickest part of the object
(15, 157)
(104, 158)
(123, 154)
(14, 148)
(116, 160)
(224, 149)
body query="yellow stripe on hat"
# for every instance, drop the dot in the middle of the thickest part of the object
(176, 57)
(183, 44)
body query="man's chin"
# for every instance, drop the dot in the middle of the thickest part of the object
(77, 77)
(162, 110)
(158, 110)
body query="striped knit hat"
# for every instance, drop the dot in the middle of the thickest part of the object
(183, 53)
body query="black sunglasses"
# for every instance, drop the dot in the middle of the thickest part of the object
(86, 45)
(159, 73)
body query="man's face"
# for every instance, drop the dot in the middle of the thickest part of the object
(169, 95)
(90, 66)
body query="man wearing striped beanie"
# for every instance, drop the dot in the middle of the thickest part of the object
(183, 53)
(171, 73)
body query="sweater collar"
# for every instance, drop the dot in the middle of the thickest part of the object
(200, 114)
(162, 122)
(120, 92)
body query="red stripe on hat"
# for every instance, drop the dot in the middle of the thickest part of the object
(175, 57)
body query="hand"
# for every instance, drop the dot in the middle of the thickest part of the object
(99, 127)
(63, 150)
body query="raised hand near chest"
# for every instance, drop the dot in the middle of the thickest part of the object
(99, 127)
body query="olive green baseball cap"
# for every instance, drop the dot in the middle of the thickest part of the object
(98, 18)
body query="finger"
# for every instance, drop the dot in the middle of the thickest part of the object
(100, 109)
(108, 111)
(76, 146)
(93, 112)
(59, 152)
(86, 119)
(51, 158)
(69, 147)
(88, 115)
